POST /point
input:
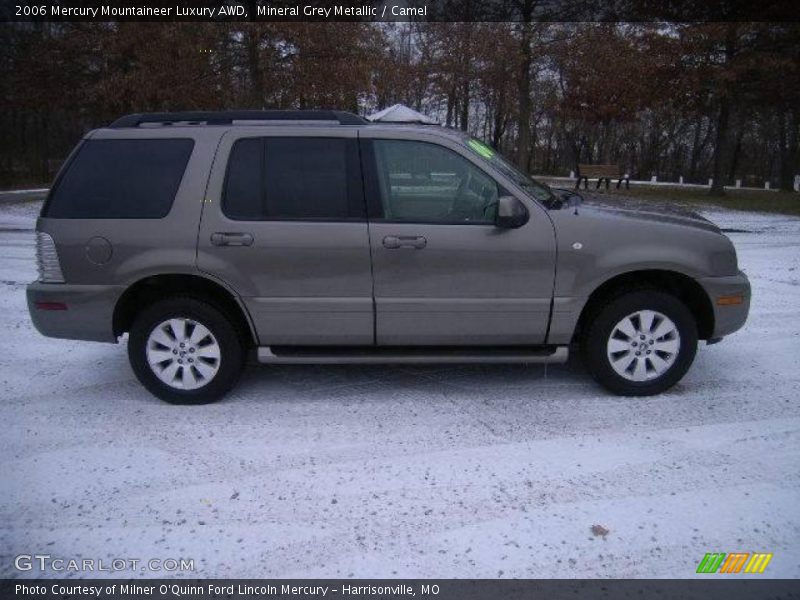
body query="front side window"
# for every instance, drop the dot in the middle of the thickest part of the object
(120, 179)
(278, 178)
(425, 183)
(538, 190)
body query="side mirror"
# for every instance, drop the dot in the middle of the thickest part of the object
(511, 213)
(569, 197)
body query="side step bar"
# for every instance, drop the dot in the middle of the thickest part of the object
(284, 355)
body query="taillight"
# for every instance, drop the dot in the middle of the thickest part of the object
(47, 259)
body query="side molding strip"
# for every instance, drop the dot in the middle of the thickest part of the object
(269, 355)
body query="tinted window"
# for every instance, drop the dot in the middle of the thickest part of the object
(121, 179)
(293, 178)
(427, 183)
(243, 184)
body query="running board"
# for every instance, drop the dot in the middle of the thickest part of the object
(284, 355)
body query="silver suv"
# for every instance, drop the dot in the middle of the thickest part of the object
(317, 237)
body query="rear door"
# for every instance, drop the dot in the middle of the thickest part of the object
(444, 274)
(284, 225)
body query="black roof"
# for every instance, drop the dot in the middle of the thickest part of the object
(226, 117)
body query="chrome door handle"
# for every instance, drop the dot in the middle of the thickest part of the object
(234, 238)
(392, 242)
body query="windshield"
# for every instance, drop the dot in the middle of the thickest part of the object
(538, 190)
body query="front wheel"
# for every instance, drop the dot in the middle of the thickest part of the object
(185, 351)
(640, 343)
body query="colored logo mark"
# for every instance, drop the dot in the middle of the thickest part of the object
(735, 562)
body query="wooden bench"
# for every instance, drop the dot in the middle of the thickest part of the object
(601, 172)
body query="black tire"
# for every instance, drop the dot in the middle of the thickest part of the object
(231, 349)
(602, 323)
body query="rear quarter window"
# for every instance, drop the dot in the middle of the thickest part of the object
(120, 179)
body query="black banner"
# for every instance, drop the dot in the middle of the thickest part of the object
(399, 10)
(442, 589)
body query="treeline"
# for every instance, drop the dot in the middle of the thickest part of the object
(701, 101)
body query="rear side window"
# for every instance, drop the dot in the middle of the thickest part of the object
(120, 179)
(294, 179)
(245, 180)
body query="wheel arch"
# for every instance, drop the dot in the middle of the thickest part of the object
(682, 286)
(148, 290)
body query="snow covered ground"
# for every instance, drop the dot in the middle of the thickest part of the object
(441, 471)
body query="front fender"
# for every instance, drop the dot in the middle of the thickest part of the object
(594, 247)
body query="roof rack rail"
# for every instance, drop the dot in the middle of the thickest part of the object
(226, 117)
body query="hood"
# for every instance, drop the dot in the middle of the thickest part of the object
(647, 210)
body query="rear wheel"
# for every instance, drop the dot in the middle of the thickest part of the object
(640, 343)
(185, 351)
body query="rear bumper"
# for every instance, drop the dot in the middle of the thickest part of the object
(89, 313)
(729, 317)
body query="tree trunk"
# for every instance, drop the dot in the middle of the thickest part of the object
(723, 120)
(531, 148)
(695, 156)
(789, 148)
(451, 108)
(721, 148)
(605, 144)
(254, 70)
(464, 106)
(498, 126)
(524, 93)
(226, 99)
(735, 155)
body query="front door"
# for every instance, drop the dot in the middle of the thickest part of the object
(284, 225)
(444, 274)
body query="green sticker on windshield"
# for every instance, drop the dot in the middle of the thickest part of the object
(481, 148)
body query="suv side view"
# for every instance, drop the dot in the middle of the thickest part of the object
(317, 237)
